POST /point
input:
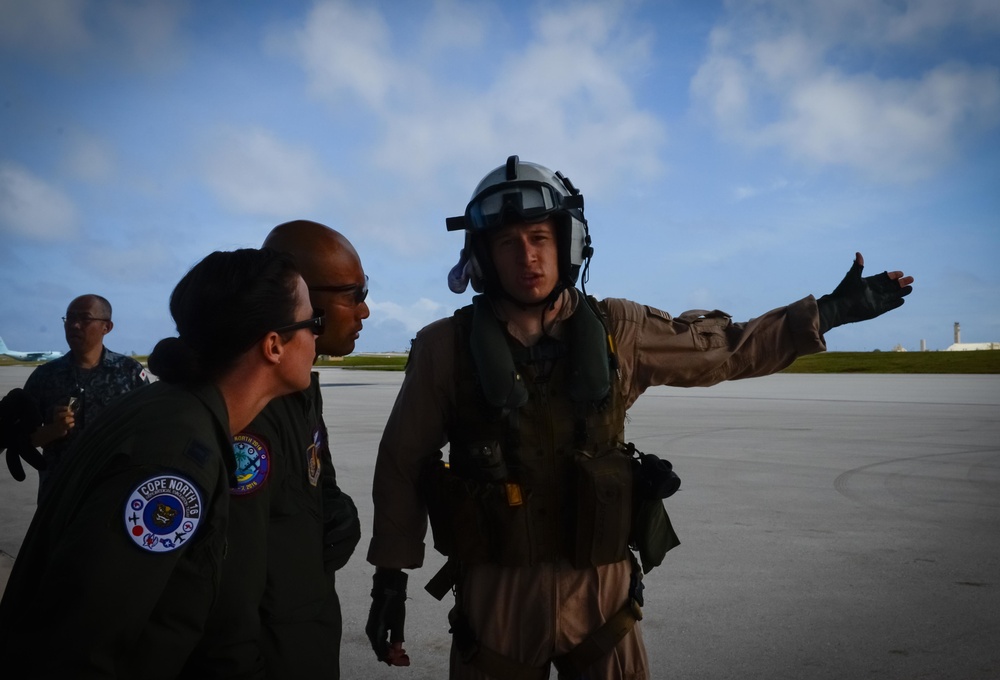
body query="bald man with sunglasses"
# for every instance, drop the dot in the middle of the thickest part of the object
(291, 526)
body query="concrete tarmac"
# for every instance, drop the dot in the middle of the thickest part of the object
(832, 527)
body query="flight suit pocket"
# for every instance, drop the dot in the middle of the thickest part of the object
(709, 330)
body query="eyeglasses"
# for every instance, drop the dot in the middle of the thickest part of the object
(317, 324)
(360, 290)
(82, 319)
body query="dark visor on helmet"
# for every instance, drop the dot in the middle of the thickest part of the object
(512, 202)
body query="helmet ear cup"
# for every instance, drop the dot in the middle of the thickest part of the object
(574, 247)
(472, 247)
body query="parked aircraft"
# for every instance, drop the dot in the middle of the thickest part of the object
(28, 356)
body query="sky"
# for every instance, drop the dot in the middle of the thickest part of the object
(732, 155)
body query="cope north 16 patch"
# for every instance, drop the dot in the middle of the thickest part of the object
(253, 463)
(163, 512)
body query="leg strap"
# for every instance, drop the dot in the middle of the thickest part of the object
(571, 665)
(600, 642)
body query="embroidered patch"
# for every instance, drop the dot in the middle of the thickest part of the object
(253, 463)
(313, 457)
(163, 512)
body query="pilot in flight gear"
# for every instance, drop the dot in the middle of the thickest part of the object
(539, 501)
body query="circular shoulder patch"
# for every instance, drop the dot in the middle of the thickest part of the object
(163, 512)
(253, 463)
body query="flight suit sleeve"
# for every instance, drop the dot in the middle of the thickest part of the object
(413, 437)
(126, 598)
(701, 348)
(341, 524)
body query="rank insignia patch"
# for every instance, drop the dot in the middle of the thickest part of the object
(162, 513)
(253, 463)
(313, 454)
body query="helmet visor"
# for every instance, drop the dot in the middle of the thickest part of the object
(512, 202)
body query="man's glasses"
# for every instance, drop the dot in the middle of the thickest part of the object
(82, 319)
(360, 290)
(317, 324)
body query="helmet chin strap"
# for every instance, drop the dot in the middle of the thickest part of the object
(549, 300)
(542, 305)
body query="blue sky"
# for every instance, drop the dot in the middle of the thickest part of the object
(733, 156)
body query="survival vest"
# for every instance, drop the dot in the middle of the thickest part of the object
(537, 470)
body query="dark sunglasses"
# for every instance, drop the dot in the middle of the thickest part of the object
(317, 324)
(360, 290)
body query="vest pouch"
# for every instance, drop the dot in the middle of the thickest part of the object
(653, 535)
(604, 508)
(436, 485)
(476, 522)
(504, 524)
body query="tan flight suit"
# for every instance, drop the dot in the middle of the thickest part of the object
(533, 614)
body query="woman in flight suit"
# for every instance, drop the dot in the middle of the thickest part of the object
(123, 560)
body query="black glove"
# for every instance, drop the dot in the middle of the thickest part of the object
(20, 416)
(387, 615)
(860, 299)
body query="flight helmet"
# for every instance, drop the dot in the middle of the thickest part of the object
(523, 192)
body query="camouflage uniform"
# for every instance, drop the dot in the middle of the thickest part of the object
(52, 383)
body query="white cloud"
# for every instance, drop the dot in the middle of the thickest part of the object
(891, 129)
(746, 191)
(776, 76)
(253, 172)
(454, 24)
(413, 317)
(33, 208)
(346, 52)
(564, 86)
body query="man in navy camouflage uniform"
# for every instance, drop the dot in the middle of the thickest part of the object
(74, 388)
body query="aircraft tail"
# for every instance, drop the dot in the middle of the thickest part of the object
(3, 346)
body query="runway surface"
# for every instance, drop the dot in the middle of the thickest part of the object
(833, 526)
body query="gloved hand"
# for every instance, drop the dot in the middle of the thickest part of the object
(19, 418)
(859, 299)
(387, 615)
